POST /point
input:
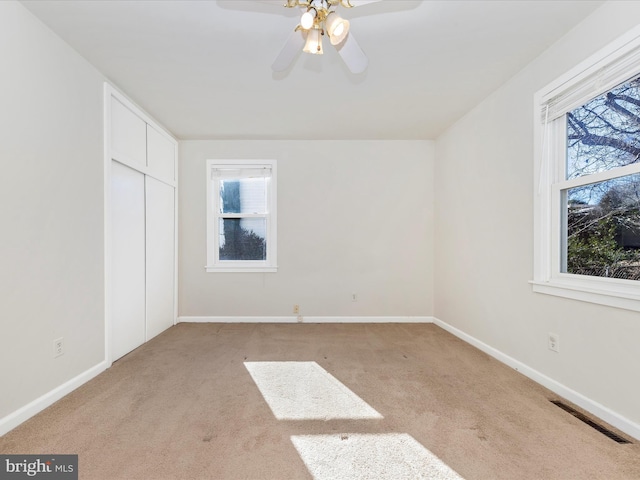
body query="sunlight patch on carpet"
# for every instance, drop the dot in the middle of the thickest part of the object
(306, 391)
(377, 456)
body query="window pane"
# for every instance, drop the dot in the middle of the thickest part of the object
(243, 239)
(603, 229)
(605, 132)
(243, 195)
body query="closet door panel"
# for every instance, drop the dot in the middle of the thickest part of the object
(127, 259)
(160, 247)
(160, 155)
(128, 136)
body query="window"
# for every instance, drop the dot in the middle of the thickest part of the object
(587, 200)
(241, 216)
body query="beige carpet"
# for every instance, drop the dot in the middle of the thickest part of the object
(185, 406)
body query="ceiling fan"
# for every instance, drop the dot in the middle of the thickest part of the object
(320, 18)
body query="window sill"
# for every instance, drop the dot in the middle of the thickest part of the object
(618, 294)
(236, 269)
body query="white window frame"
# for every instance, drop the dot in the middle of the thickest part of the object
(214, 264)
(616, 63)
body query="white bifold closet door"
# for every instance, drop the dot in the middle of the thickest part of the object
(160, 254)
(143, 266)
(128, 259)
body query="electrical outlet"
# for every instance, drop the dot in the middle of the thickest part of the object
(554, 342)
(296, 309)
(58, 347)
(354, 297)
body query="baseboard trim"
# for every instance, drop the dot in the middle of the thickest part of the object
(304, 319)
(622, 423)
(23, 414)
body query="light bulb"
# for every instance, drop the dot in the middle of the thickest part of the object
(308, 18)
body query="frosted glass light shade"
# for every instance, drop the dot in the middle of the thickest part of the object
(314, 42)
(337, 28)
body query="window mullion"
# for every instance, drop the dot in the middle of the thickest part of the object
(243, 215)
(601, 176)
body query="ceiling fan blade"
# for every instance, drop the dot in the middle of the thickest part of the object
(290, 51)
(282, 3)
(359, 3)
(279, 3)
(352, 55)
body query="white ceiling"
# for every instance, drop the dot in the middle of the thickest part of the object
(202, 68)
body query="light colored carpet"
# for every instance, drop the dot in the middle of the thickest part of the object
(383, 456)
(306, 391)
(184, 406)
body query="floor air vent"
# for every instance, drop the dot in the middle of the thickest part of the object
(591, 423)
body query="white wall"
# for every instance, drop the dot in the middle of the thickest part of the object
(51, 211)
(353, 217)
(483, 241)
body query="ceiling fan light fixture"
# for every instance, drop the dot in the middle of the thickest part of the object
(320, 17)
(337, 28)
(308, 18)
(314, 42)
